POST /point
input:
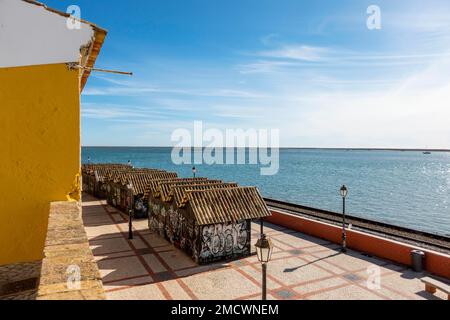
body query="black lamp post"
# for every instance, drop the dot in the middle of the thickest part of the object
(264, 249)
(130, 211)
(194, 171)
(130, 224)
(344, 192)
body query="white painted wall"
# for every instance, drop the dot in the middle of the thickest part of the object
(31, 35)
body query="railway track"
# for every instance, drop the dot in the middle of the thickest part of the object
(432, 241)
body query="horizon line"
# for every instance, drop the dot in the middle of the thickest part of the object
(299, 148)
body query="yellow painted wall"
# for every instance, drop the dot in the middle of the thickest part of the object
(39, 153)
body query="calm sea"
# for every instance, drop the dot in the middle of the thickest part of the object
(403, 188)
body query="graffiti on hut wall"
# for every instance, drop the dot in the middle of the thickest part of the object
(172, 225)
(103, 189)
(116, 197)
(162, 220)
(140, 208)
(175, 222)
(156, 215)
(204, 243)
(225, 239)
(187, 237)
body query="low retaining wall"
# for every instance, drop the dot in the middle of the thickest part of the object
(69, 271)
(435, 262)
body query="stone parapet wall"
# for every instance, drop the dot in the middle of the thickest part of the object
(68, 271)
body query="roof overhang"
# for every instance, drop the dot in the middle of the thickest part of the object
(34, 34)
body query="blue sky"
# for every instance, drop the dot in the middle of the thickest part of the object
(309, 68)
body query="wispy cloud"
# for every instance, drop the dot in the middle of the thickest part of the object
(265, 66)
(139, 89)
(296, 52)
(105, 111)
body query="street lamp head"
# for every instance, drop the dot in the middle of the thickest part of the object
(344, 191)
(264, 249)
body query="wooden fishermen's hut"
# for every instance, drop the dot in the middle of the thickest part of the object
(176, 226)
(219, 222)
(156, 204)
(114, 181)
(139, 184)
(93, 176)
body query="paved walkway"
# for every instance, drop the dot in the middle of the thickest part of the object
(302, 267)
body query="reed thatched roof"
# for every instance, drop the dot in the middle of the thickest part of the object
(153, 188)
(180, 192)
(165, 188)
(141, 181)
(91, 168)
(116, 176)
(227, 205)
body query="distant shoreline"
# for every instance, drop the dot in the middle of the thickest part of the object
(301, 148)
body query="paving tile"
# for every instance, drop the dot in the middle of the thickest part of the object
(258, 297)
(144, 251)
(145, 292)
(165, 276)
(285, 294)
(201, 269)
(140, 224)
(96, 220)
(296, 252)
(221, 285)
(177, 260)
(268, 227)
(165, 248)
(319, 249)
(138, 243)
(121, 268)
(351, 292)
(299, 240)
(127, 283)
(280, 245)
(322, 263)
(154, 240)
(118, 217)
(293, 271)
(257, 276)
(352, 277)
(93, 232)
(114, 255)
(345, 261)
(391, 294)
(154, 264)
(280, 255)
(105, 246)
(383, 271)
(175, 290)
(312, 287)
